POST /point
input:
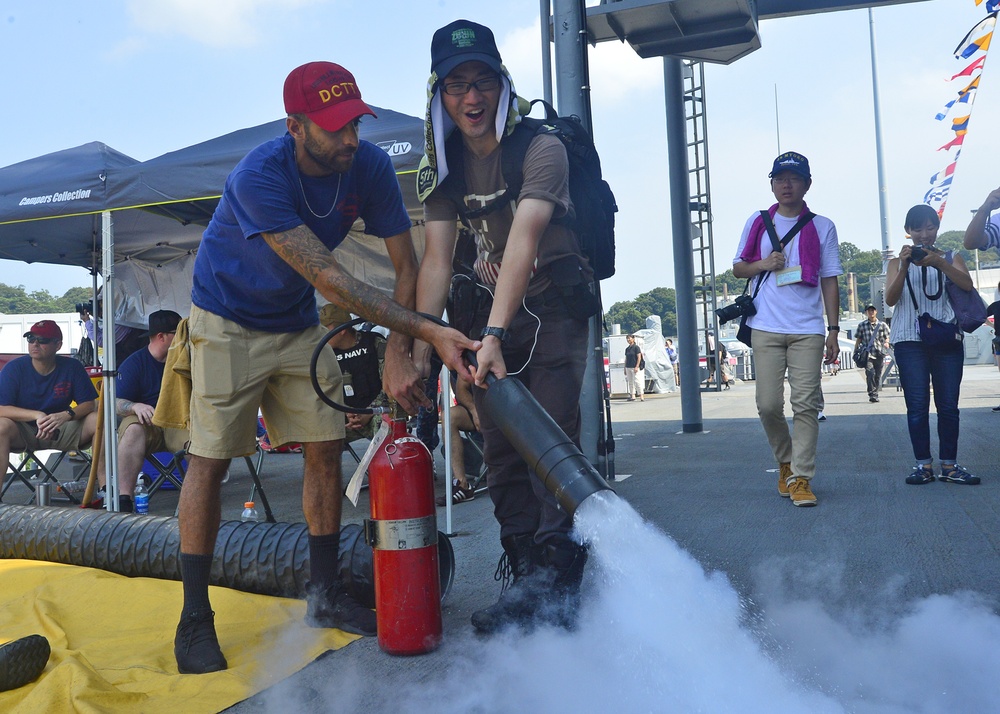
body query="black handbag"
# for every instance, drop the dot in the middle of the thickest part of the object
(861, 356)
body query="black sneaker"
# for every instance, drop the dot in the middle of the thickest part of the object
(22, 661)
(335, 608)
(196, 646)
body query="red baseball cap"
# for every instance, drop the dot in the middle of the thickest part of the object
(326, 93)
(45, 328)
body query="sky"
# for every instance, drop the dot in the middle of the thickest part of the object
(148, 78)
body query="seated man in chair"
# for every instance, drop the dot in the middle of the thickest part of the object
(36, 393)
(138, 390)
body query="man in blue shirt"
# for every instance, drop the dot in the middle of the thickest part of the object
(36, 392)
(254, 325)
(138, 390)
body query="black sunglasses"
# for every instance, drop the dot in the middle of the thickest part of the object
(40, 340)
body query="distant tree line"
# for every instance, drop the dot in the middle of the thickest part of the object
(632, 314)
(15, 300)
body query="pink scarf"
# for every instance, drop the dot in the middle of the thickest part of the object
(808, 246)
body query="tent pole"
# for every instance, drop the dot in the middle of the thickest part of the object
(110, 363)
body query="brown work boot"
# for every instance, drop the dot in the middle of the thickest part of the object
(784, 473)
(800, 492)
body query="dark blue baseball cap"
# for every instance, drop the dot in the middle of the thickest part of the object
(463, 41)
(791, 161)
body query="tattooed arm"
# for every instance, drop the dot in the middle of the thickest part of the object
(301, 249)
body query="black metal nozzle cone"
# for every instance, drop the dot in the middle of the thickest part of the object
(542, 444)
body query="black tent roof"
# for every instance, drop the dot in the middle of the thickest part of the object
(50, 206)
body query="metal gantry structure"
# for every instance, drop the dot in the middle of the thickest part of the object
(696, 131)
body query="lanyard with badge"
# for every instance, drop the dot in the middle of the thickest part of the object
(792, 274)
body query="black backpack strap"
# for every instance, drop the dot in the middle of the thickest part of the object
(772, 232)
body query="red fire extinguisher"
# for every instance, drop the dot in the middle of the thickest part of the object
(403, 535)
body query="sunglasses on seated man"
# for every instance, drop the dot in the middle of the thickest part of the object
(40, 340)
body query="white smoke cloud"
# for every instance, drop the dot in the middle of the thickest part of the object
(659, 634)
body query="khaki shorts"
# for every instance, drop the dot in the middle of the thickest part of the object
(69, 436)
(235, 370)
(157, 438)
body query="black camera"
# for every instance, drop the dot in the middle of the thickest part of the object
(85, 307)
(917, 254)
(742, 306)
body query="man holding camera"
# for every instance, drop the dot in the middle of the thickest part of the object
(793, 255)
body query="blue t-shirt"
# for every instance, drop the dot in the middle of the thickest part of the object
(22, 386)
(239, 277)
(139, 378)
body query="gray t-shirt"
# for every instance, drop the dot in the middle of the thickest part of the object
(546, 177)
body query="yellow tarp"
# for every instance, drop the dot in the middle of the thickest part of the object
(112, 641)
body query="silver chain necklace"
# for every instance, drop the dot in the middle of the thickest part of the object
(340, 177)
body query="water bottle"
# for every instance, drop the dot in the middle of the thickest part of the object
(141, 498)
(250, 514)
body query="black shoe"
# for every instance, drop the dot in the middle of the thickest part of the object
(565, 561)
(196, 646)
(333, 607)
(522, 589)
(22, 661)
(872, 399)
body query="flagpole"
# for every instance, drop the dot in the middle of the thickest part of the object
(883, 189)
(777, 125)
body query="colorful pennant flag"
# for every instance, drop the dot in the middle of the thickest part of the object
(949, 170)
(978, 64)
(976, 38)
(964, 97)
(957, 141)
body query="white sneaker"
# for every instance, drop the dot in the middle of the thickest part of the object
(821, 417)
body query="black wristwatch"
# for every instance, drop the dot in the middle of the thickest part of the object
(72, 414)
(498, 332)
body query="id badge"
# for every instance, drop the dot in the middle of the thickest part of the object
(788, 276)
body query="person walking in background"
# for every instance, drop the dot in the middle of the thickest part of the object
(927, 344)
(795, 256)
(674, 361)
(633, 366)
(874, 335)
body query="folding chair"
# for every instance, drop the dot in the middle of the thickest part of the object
(32, 469)
(177, 463)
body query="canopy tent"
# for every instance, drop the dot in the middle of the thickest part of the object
(51, 206)
(81, 205)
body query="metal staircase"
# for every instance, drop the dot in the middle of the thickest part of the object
(696, 129)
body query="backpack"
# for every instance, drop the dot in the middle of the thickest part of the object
(592, 197)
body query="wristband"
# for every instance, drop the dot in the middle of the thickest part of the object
(833, 328)
(72, 414)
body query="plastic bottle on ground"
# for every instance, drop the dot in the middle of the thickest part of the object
(141, 496)
(250, 514)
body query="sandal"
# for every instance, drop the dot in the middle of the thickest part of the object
(956, 474)
(922, 473)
